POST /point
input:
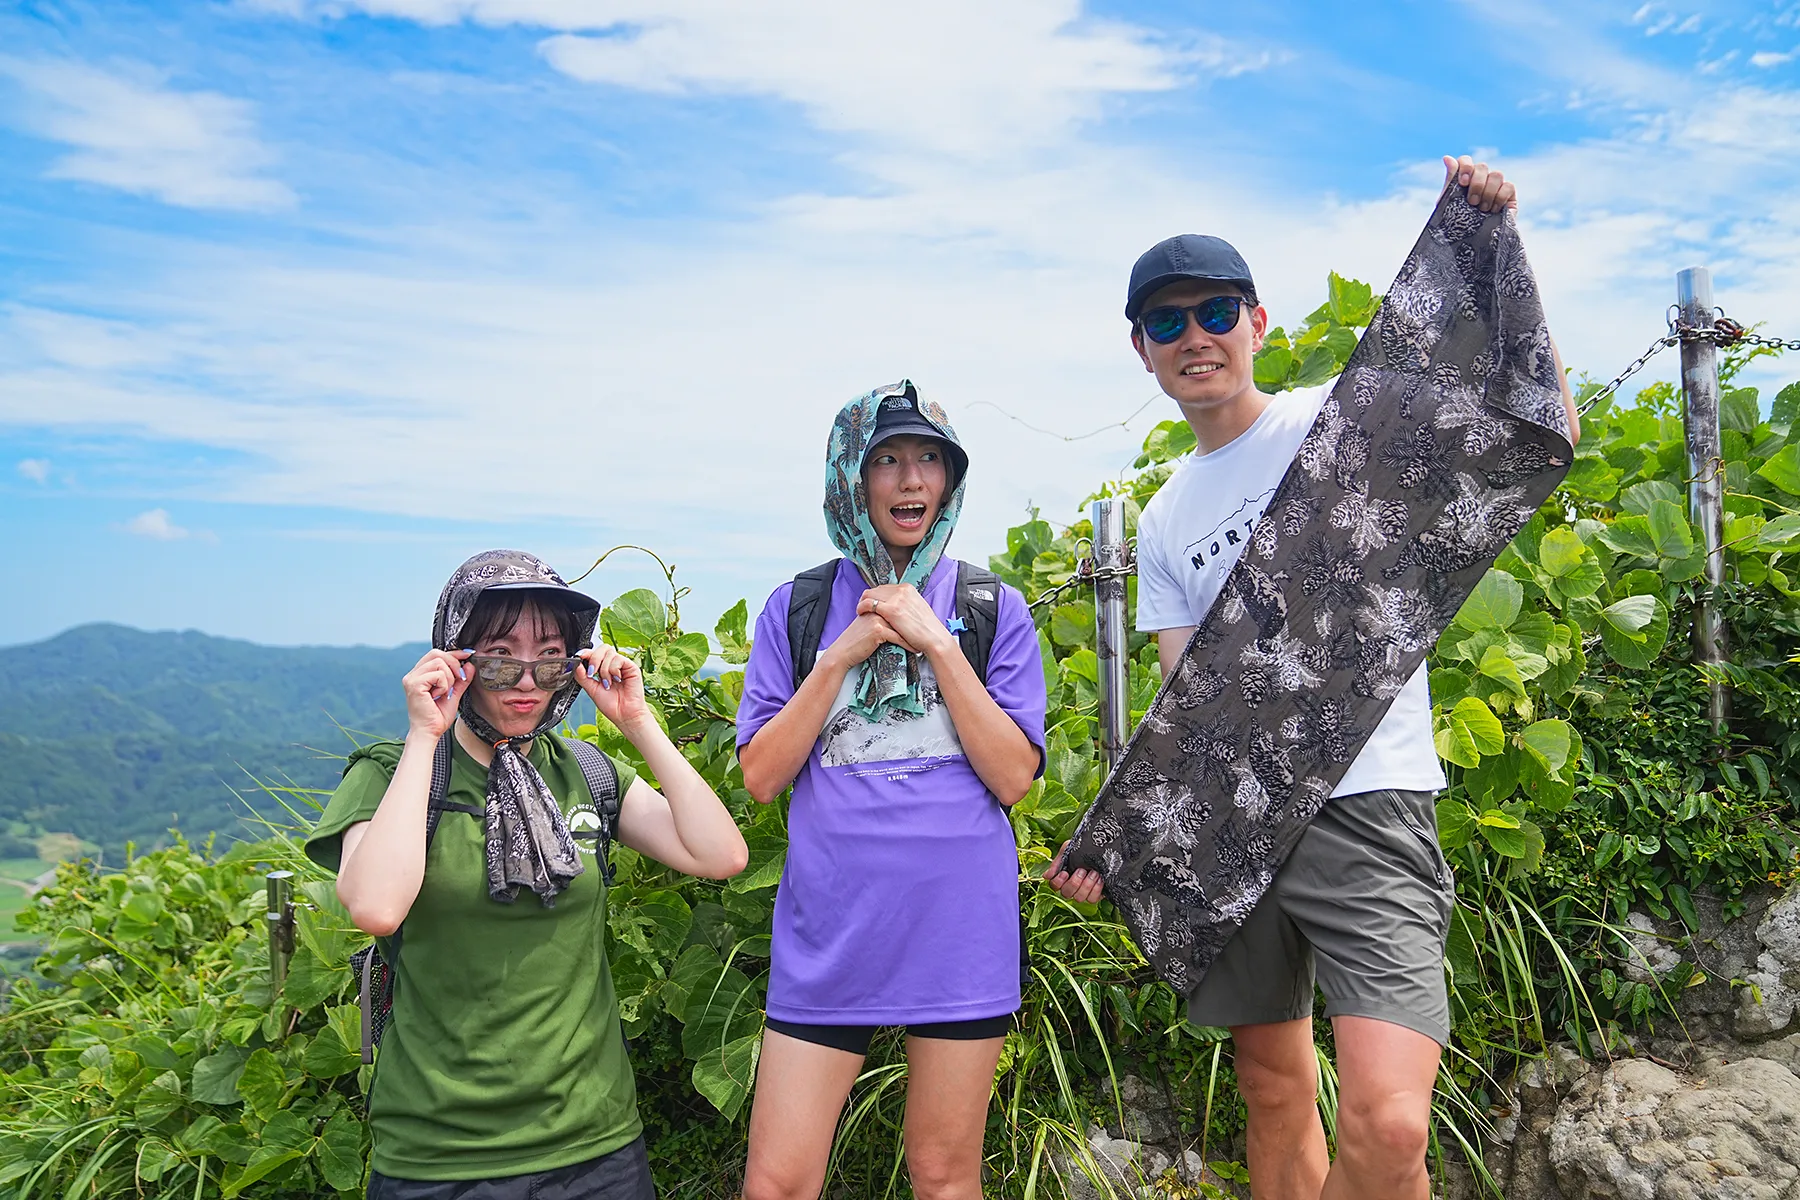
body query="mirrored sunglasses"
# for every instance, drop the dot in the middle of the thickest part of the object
(1216, 314)
(497, 672)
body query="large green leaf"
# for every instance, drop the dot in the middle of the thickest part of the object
(1497, 664)
(261, 1083)
(637, 618)
(682, 657)
(1570, 564)
(154, 1156)
(1493, 604)
(1639, 497)
(1468, 731)
(216, 1076)
(1630, 616)
(1592, 477)
(1072, 624)
(263, 1162)
(157, 1099)
(1786, 405)
(1549, 791)
(734, 644)
(724, 1075)
(1669, 527)
(1455, 822)
(1551, 740)
(1783, 470)
(720, 1009)
(1781, 531)
(1634, 629)
(1493, 781)
(327, 1056)
(1739, 410)
(1351, 301)
(768, 856)
(311, 981)
(1502, 831)
(696, 966)
(1630, 535)
(340, 1152)
(1272, 364)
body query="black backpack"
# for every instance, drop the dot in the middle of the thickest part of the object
(375, 974)
(977, 609)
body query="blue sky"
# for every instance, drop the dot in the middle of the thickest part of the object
(301, 303)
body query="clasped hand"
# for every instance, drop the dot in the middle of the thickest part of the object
(917, 627)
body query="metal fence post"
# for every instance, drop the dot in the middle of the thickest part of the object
(1706, 486)
(1109, 619)
(280, 918)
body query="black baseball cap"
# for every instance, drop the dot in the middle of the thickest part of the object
(899, 414)
(1188, 256)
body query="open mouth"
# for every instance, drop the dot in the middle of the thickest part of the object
(908, 516)
(1202, 368)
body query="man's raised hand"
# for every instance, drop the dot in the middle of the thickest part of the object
(1082, 885)
(1489, 190)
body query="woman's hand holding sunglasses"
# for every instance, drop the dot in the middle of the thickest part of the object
(434, 690)
(615, 684)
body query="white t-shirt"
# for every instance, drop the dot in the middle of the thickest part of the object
(1197, 525)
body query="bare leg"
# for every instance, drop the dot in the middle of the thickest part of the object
(1278, 1077)
(800, 1093)
(948, 1086)
(1385, 1076)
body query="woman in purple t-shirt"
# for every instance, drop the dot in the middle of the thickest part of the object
(899, 904)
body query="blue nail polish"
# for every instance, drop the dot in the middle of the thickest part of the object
(607, 684)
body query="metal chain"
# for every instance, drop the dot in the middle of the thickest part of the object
(1087, 572)
(1637, 364)
(1723, 332)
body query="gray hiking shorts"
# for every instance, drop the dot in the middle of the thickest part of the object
(1364, 904)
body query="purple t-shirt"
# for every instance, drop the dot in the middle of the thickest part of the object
(900, 900)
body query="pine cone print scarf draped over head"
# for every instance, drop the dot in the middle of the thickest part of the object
(888, 679)
(1444, 434)
(528, 841)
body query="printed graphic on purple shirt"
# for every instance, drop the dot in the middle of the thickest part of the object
(900, 900)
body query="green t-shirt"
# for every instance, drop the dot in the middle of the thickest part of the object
(504, 1055)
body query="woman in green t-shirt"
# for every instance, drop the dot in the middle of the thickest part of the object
(503, 1072)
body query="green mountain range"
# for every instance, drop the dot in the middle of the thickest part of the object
(116, 735)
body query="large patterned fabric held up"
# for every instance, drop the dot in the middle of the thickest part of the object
(1444, 434)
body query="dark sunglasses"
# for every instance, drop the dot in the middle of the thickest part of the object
(1216, 314)
(497, 672)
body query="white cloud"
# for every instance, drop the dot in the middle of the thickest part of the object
(35, 469)
(129, 131)
(156, 525)
(967, 79)
(1769, 58)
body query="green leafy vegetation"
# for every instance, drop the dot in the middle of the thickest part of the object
(1586, 780)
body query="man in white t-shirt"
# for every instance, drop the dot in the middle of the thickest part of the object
(1363, 904)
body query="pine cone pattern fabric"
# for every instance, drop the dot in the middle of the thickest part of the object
(1443, 435)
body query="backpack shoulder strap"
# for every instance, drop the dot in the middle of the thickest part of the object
(978, 605)
(374, 970)
(603, 784)
(438, 798)
(807, 605)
